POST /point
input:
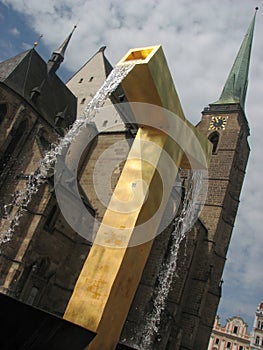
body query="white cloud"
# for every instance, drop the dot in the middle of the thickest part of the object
(14, 31)
(200, 40)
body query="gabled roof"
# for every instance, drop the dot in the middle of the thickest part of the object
(9, 65)
(87, 81)
(26, 74)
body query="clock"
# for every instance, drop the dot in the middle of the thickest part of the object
(218, 122)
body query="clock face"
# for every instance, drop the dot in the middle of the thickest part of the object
(218, 123)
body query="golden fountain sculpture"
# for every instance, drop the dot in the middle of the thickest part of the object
(112, 271)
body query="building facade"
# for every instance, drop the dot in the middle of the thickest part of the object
(231, 336)
(40, 264)
(234, 334)
(256, 339)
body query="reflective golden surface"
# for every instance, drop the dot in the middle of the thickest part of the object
(111, 274)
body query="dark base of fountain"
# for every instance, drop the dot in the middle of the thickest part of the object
(24, 327)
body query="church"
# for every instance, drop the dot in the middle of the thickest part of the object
(45, 261)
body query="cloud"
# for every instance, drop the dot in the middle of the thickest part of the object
(200, 40)
(14, 31)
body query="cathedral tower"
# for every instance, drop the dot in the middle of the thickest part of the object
(225, 124)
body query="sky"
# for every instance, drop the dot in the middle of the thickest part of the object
(200, 40)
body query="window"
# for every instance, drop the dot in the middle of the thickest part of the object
(235, 330)
(51, 219)
(17, 135)
(42, 137)
(121, 98)
(228, 346)
(241, 347)
(214, 138)
(32, 295)
(3, 111)
(257, 340)
(217, 341)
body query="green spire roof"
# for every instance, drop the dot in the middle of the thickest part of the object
(235, 87)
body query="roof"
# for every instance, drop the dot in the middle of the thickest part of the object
(235, 88)
(9, 65)
(26, 74)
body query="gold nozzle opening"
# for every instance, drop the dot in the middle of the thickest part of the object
(140, 55)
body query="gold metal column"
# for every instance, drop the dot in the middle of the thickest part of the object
(112, 271)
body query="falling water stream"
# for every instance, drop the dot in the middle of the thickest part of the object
(183, 223)
(22, 198)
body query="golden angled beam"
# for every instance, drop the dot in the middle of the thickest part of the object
(112, 271)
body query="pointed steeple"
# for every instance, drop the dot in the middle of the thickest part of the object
(235, 87)
(57, 56)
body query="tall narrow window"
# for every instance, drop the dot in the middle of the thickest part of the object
(14, 144)
(214, 138)
(3, 111)
(32, 295)
(235, 330)
(51, 219)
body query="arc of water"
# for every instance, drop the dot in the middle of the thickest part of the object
(22, 198)
(183, 224)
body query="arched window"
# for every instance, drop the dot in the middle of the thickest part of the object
(214, 138)
(51, 218)
(17, 135)
(43, 140)
(257, 340)
(3, 111)
(32, 295)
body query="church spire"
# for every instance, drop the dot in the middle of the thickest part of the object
(235, 87)
(57, 56)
